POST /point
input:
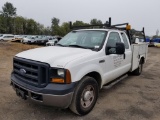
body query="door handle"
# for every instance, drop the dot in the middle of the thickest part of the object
(101, 61)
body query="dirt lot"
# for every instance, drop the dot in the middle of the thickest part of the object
(135, 98)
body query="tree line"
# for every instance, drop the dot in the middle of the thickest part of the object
(11, 23)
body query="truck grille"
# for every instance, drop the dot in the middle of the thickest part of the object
(31, 72)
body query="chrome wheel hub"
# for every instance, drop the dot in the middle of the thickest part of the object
(87, 96)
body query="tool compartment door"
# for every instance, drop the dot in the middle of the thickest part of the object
(135, 57)
(138, 50)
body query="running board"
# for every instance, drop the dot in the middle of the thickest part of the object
(113, 82)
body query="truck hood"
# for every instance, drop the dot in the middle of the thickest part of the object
(54, 55)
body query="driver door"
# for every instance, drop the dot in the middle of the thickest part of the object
(114, 62)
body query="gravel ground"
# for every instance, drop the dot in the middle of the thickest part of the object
(135, 98)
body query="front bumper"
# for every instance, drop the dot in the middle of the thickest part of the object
(58, 95)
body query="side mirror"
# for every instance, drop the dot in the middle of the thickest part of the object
(120, 48)
(107, 50)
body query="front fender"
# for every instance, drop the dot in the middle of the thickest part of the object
(79, 72)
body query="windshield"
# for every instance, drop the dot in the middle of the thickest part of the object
(85, 39)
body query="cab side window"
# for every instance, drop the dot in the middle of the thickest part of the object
(112, 40)
(125, 40)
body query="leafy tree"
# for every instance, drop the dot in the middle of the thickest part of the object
(31, 27)
(47, 31)
(40, 29)
(2, 27)
(18, 25)
(55, 26)
(55, 21)
(64, 29)
(79, 23)
(9, 10)
(13, 24)
(4, 24)
(95, 22)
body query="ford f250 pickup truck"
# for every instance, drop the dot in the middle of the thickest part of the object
(71, 73)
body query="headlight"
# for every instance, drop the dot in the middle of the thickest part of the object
(60, 72)
(60, 75)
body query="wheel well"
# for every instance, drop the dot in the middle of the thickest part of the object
(96, 76)
(142, 60)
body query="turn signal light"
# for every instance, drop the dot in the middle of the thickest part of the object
(63, 76)
(68, 77)
(57, 80)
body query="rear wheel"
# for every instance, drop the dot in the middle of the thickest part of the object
(138, 71)
(85, 96)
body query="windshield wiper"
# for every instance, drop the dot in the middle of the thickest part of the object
(78, 46)
(60, 45)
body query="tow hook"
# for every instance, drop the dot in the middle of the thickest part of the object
(21, 94)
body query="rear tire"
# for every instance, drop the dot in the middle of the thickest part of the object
(85, 96)
(138, 71)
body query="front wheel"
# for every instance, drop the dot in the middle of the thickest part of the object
(85, 96)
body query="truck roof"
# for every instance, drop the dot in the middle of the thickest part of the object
(92, 30)
(96, 29)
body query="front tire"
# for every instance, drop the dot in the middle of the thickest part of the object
(85, 96)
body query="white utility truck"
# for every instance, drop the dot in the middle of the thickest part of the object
(71, 73)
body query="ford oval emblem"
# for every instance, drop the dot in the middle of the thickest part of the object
(23, 71)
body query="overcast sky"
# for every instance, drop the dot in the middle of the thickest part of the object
(138, 13)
